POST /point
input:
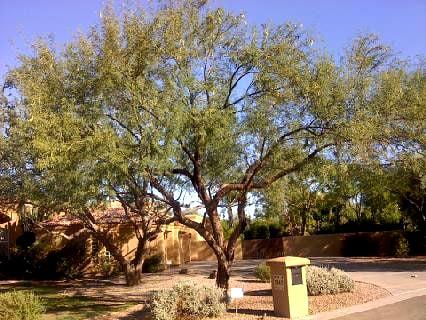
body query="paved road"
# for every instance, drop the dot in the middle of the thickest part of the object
(411, 309)
(405, 279)
(398, 276)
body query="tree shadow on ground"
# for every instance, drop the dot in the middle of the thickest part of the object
(137, 315)
(62, 304)
(260, 313)
(373, 264)
(259, 293)
(248, 280)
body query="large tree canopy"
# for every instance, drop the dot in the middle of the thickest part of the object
(189, 99)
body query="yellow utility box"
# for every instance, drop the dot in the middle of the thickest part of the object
(289, 291)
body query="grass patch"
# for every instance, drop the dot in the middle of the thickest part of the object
(60, 306)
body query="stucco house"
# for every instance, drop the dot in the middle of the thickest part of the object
(9, 229)
(176, 243)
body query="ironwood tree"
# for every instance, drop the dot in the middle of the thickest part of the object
(188, 99)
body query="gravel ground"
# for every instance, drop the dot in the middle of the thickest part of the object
(256, 303)
(258, 300)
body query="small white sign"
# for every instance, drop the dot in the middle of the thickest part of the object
(237, 293)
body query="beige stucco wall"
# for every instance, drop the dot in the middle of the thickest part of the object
(325, 245)
(173, 243)
(201, 251)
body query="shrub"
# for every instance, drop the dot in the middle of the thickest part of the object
(321, 281)
(153, 264)
(20, 305)
(416, 242)
(263, 272)
(345, 283)
(400, 246)
(41, 261)
(187, 299)
(275, 231)
(25, 240)
(106, 267)
(164, 305)
(257, 230)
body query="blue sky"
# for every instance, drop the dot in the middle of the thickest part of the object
(401, 23)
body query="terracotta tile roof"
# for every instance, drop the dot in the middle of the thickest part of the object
(105, 216)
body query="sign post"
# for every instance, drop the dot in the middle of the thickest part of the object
(236, 293)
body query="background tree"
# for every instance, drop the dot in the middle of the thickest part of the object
(80, 155)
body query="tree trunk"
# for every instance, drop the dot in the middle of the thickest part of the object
(133, 273)
(223, 274)
(132, 269)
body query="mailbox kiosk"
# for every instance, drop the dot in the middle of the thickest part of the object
(289, 291)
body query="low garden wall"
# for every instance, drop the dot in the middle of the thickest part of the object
(327, 245)
(201, 251)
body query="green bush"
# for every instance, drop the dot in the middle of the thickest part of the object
(400, 246)
(257, 230)
(321, 281)
(263, 272)
(275, 231)
(106, 267)
(153, 264)
(42, 261)
(20, 305)
(187, 300)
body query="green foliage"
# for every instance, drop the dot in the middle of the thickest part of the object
(153, 264)
(25, 240)
(327, 281)
(262, 272)
(346, 284)
(263, 229)
(65, 306)
(20, 305)
(227, 229)
(44, 261)
(106, 267)
(187, 300)
(257, 230)
(188, 97)
(275, 230)
(400, 246)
